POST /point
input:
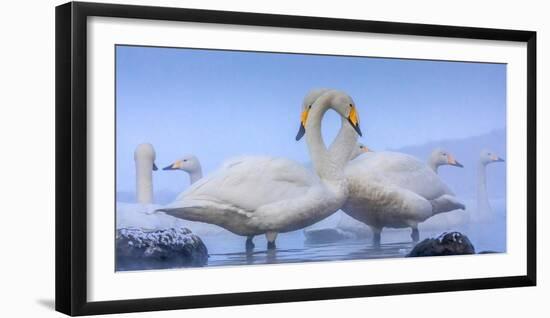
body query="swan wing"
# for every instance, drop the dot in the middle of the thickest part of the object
(375, 201)
(404, 171)
(244, 184)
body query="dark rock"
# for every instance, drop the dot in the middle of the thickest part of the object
(454, 243)
(137, 249)
(326, 235)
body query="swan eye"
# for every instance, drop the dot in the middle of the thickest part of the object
(184, 160)
(444, 154)
(309, 107)
(350, 105)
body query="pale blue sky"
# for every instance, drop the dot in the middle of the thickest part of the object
(221, 104)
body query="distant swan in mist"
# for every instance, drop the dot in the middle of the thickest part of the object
(359, 150)
(189, 164)
(137, 215)
(389, 189)
(486, 157)
(440, 157)
(263, 195)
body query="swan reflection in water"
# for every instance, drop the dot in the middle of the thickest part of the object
(312, 253)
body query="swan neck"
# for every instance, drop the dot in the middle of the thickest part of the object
(144, 180)
(482, 196)
(433, 165)
(195, 176)
(315, 143)
(343, 145)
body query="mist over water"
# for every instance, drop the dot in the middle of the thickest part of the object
(218, 105)
(227, 249)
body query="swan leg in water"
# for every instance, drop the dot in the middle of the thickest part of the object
(249, 243)
(415, 235)
(271, 236)
(376, 234)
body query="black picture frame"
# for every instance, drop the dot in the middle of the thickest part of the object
(71, 157)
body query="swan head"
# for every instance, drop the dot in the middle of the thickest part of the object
(307, 103)
(146, 152)
(359, 150)
(187, 163)
(441, 157)
(487, 156)
(341, 102)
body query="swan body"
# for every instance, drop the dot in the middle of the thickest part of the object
(256, 195)
(389, 189)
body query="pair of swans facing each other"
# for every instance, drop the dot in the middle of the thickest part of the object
(140, 214)
(286, 197)
(250, 196)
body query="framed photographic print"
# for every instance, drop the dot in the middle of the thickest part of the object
(211, 158)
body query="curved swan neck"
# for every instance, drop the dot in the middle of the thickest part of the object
(315, 143)
(329, 164)
(343, 145)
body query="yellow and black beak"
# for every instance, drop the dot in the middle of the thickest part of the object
(155, 168)
(452, 161)
(353, 119)
(174, 166)
(302, 130)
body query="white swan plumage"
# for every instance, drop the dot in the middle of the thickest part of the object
(138, 215)
(189, 164)
(390, 189)
(263, 195)
(441, 157)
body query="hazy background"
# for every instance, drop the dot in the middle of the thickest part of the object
(220, 104)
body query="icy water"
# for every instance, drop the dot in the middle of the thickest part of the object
(292, 249)
(226, 249)
(229, 250)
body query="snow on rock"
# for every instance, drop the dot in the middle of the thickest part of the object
(453, 243)
(138, 249)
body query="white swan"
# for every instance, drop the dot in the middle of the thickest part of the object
(486, 157)
(389, 189)
(440, 157)
(359, 150)
(189, 164)
(263, 195)
(137, 215)
(144, 158)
